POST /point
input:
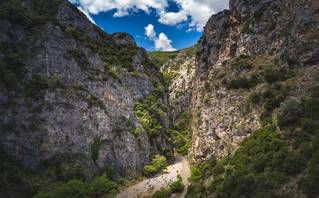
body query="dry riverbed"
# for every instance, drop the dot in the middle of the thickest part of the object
(161, 180)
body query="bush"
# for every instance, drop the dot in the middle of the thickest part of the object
(290, 112)
(308, 125)
(241, 62)
(176, 187)
(299, 137)
(309, 183)
(255, 97)
(312, 109)
(273, 75)
(72, 189)
(161, 194)
(272, 103)
(157, 164)
(195, 174)
(294, 163)
(78, 189)
(158, 93)
(102, 185)
(95, 147)
(242, 82)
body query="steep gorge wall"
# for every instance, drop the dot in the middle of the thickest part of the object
(68, 90)
(242, 43)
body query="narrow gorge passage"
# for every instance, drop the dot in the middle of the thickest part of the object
(161, 180)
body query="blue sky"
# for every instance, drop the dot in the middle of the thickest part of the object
(164, 25)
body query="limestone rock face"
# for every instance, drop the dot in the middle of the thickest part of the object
(271, 34)
(70, 96)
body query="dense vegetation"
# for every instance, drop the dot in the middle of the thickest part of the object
(76, 188)
(157, 164)
(268, 159)
(175, 187)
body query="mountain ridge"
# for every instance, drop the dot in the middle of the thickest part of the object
(77, 102)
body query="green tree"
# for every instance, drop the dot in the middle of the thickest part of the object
(290, 112)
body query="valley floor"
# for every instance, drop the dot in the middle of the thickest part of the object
(161, 180)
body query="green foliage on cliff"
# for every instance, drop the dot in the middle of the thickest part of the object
(267, 159)
(100, 186)
(175, 187)
(242, 82)
(290, 112)
(95, 147)
(159, 57)
(157, 164)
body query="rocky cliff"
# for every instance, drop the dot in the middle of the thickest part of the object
(68, 91)
(239, 55)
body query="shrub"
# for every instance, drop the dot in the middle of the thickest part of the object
(242, 62)
(161, 194)
(273, 75)
(102, 185)
(176, 187)
(290, 112)
(72, 33)
(243, 82)
(272, 103)
(195, 174)
(158, 92)
(308, 125)
(115, 74)
(157, 164)
(312, 109)
(72, 189)
(95, 147)
(299, 137)
(309, 183)
(294, 163)
(255, 97)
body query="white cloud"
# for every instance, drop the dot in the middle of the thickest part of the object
(198, 11)
(87, 15)
(172, 18)
(149, 32)
(161, 42)
(201, 10)
(122, 7)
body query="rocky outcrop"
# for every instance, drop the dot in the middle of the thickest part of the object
(179, 73)
(70, 93)
(241, 43)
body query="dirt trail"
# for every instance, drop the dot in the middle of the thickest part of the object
(148, 186)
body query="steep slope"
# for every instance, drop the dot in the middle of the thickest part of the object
(238, 56)
(178, 69)
(67, 97)
(255, 102)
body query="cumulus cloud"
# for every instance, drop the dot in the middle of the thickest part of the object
(161, 42)
(201, 10)
(149, 32)
(122, 7)
(197, 12)
(172, 18)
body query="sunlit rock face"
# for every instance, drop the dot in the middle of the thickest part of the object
(68, 96)
(273, 34)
